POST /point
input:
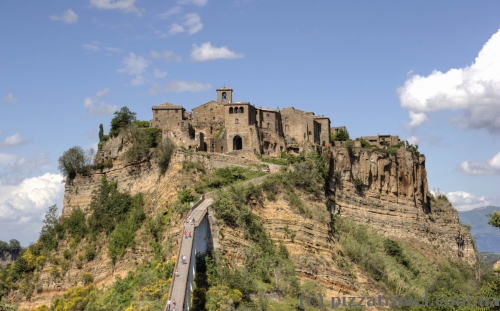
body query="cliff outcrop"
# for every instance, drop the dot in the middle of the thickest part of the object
(389, 192)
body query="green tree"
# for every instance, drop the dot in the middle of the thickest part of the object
(342, 135)
(74, 162)
(14, 246)
(122, 119)
(49, 232)
(101, 132)
(494, 219)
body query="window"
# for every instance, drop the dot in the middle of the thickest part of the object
(268, 114)
(211, 109)
(213, 118)
(236, 110)
(176, 110)
(182, 124)
(241, 109)
(268, 125)
(157, 126)
(236, 121)
(230, 110)
(224, 97)
(156, 119)
(156, 110)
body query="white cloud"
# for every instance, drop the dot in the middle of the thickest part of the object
(113, 49)
(195, 2)
(490, 167)
(207, 52)
(102, 93)
(17, 169)
(102, 109)
(133, 65)
(175, 29)
(414, 140)
(416, 119)
(26, 203)
(474, 90)
(9, 98)
(168, 56)
(172, 11)
(13, 141)
(126, 6)
(464, 201)
(180, 86)
(193, 23)
(91, 47)
(138, 80)
(68, 17)
(7, 158)
(159, 74)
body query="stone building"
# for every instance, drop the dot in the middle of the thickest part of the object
(226, 126)
(382, 140)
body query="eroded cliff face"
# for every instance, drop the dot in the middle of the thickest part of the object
(394, 199)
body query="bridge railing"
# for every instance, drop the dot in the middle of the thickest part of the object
(180, 241)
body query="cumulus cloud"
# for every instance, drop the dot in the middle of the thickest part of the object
(168, 56)
(26, 203)
(489, 167)
(172, 11)
(416, 119)
(103, 93)
(126, 6)
(180, 86)
(414, 140)
(175, 29)
(193, 23)
(159, 74)
(207, 52)
(68, 17)
(474, 90)
(96, 108)
(91, 47)
(194, 2)
(18, 168)
(9, 98)
(133, 65)
(464, 201)
(13, 141)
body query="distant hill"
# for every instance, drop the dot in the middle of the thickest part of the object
(487, 237)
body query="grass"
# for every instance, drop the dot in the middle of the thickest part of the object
(223, 177)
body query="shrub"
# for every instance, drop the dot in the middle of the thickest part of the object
(349, 144)
(364, 142)
(494, 219)
(358, 185)
(138, 149)
(186, 196)
(76, 224)
(90, 253)
(163, 154)
(67, 254)
(139, 123)
(87, 278)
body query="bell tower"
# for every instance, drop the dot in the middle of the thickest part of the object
(225, 95)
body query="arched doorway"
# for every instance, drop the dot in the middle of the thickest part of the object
(237, 143)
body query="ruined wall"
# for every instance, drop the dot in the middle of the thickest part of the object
(394, 199)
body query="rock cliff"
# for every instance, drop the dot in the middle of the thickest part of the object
(389, 192)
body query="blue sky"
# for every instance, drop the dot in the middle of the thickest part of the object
(427, 71)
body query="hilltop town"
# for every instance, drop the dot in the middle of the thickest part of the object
(240, 128)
